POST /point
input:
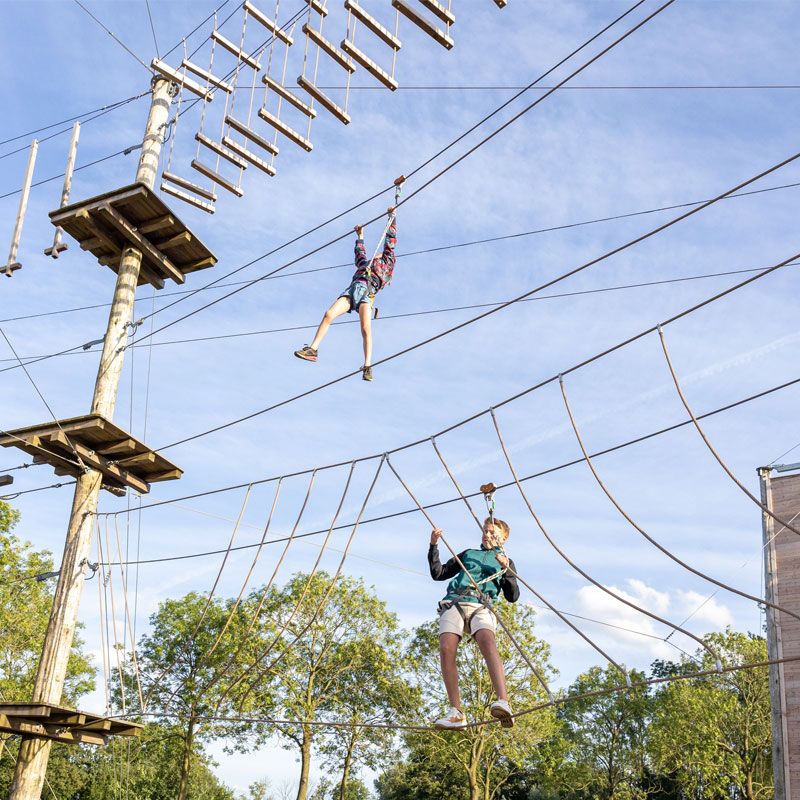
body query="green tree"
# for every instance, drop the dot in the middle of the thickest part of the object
(713, 734)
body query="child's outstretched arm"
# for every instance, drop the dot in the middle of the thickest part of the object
(391, 239)
(439, 571)
(361, 252)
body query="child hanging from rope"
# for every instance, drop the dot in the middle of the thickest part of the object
(464, 606)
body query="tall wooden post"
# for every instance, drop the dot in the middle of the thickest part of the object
(34, 753)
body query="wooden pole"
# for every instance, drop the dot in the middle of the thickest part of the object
(59, 247)
(34, 753)
(13, 264)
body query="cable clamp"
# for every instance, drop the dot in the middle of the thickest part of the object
(90, 345)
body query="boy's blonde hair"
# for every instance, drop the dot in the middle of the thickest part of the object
(500, 525)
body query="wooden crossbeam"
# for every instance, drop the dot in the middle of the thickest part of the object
(217, 148)
(188, 198)
(39, 730)
(234, 50)
(63, 216)
(290, 97)
(157, 224)
(372, 24)
(203, 169)
(206, 76)
(423, 24)
(441, 11)
(329, 47)
(100, 236)
(250, 134)
(193, 266)
(362, 58)
(145, 273)
(264, 20)
(137, 460)
(184, 237)
(168, 475)
(192, 187)
(248, 155)
(181, 80)
(319, 7)
(282, 127)
(125, 447)
(6, 480)
(115, 219)
(324, 100)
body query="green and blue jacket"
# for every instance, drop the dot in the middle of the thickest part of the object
(481, 564)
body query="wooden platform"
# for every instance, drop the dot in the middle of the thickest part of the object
(101, 445)
(44, 721)
(134, 216)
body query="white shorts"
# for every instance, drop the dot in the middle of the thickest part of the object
(451, 621)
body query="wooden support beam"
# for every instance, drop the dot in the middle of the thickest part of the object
(501, 3)
(440, 10)
(131, 195)
(125, 447)
(329, 47)
(6, 480)
(248, 155)
(370, 22)
(319, 7)
(282, 127)
(264, 20)
(156, 224)
(290, 97)
(324, 100)
(188, 198)
(362, 58)
(100, 236)
(203, 169)
(250, 134)
(184, 237)
(114, 218)
(206, 76)
(217, 148)
(179, 78)
(234, 50)
(193, 266)
(137, 460)
(168, 475)
(423, 24)
(192, 187)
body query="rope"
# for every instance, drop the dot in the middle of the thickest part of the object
(590, 463)
(117, 648)
(707, 441)
(582, 572)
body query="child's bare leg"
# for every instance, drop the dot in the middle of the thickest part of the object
(340, 306)
(448, 645)
(488, 645)
(365, 315)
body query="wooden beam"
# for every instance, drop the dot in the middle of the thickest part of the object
(63, 216)
(206, 76)
(324, 100)
(156, 224)
(6, 480)
(137, 460)
(167, 475)
(362, 58)
(193, 266)
(290, 97)
(264, 20)
(329, 47)
(188, 198)
(282, 127)
(501, 3)
(370, 22)
(250, 134)
(125, 447)
(203, 169)
(423, 24)
(234, 50)
(184, 237)
(192, 187)
(113, 217)
(440, 10)
(100, 235)
(248, 155)
(217, 148)
(181, 80)
(319, 7)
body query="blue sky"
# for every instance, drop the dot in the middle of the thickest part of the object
(582, 154)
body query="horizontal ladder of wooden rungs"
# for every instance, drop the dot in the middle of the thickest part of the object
(290, 97)
(330, 48)
(283, 128)
(250, 134)
(423, 24)
(246, 154)
(181, 80)
(440, 10)
(217, 148)
(206, 76)
(269, 24)
(234, 50)
(204, 169)
(362, 58)
(324, 100)
(370, 22)
(192, 187)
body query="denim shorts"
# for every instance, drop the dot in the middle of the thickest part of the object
(357, 293)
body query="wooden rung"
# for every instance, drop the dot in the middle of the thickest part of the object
(178, 240)
(192, 187)
(264, 20)
(217, 148)
(319, 7)
(240, 127)
(156, 224)
(283, 128)
(441, 11)
(423, 24)
(329, 47)
(324, 100)
(248, 156)
(216, 177)
(181, 80)
(370, 22)
(188, 198)
(290, 97)
(234, 50)
(362, 58)
(206, 76)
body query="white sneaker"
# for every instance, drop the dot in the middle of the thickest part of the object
(501, 710)
(452, 719)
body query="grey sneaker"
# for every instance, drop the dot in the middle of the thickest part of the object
(306, 353)
(454, 718)
(367, 376)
